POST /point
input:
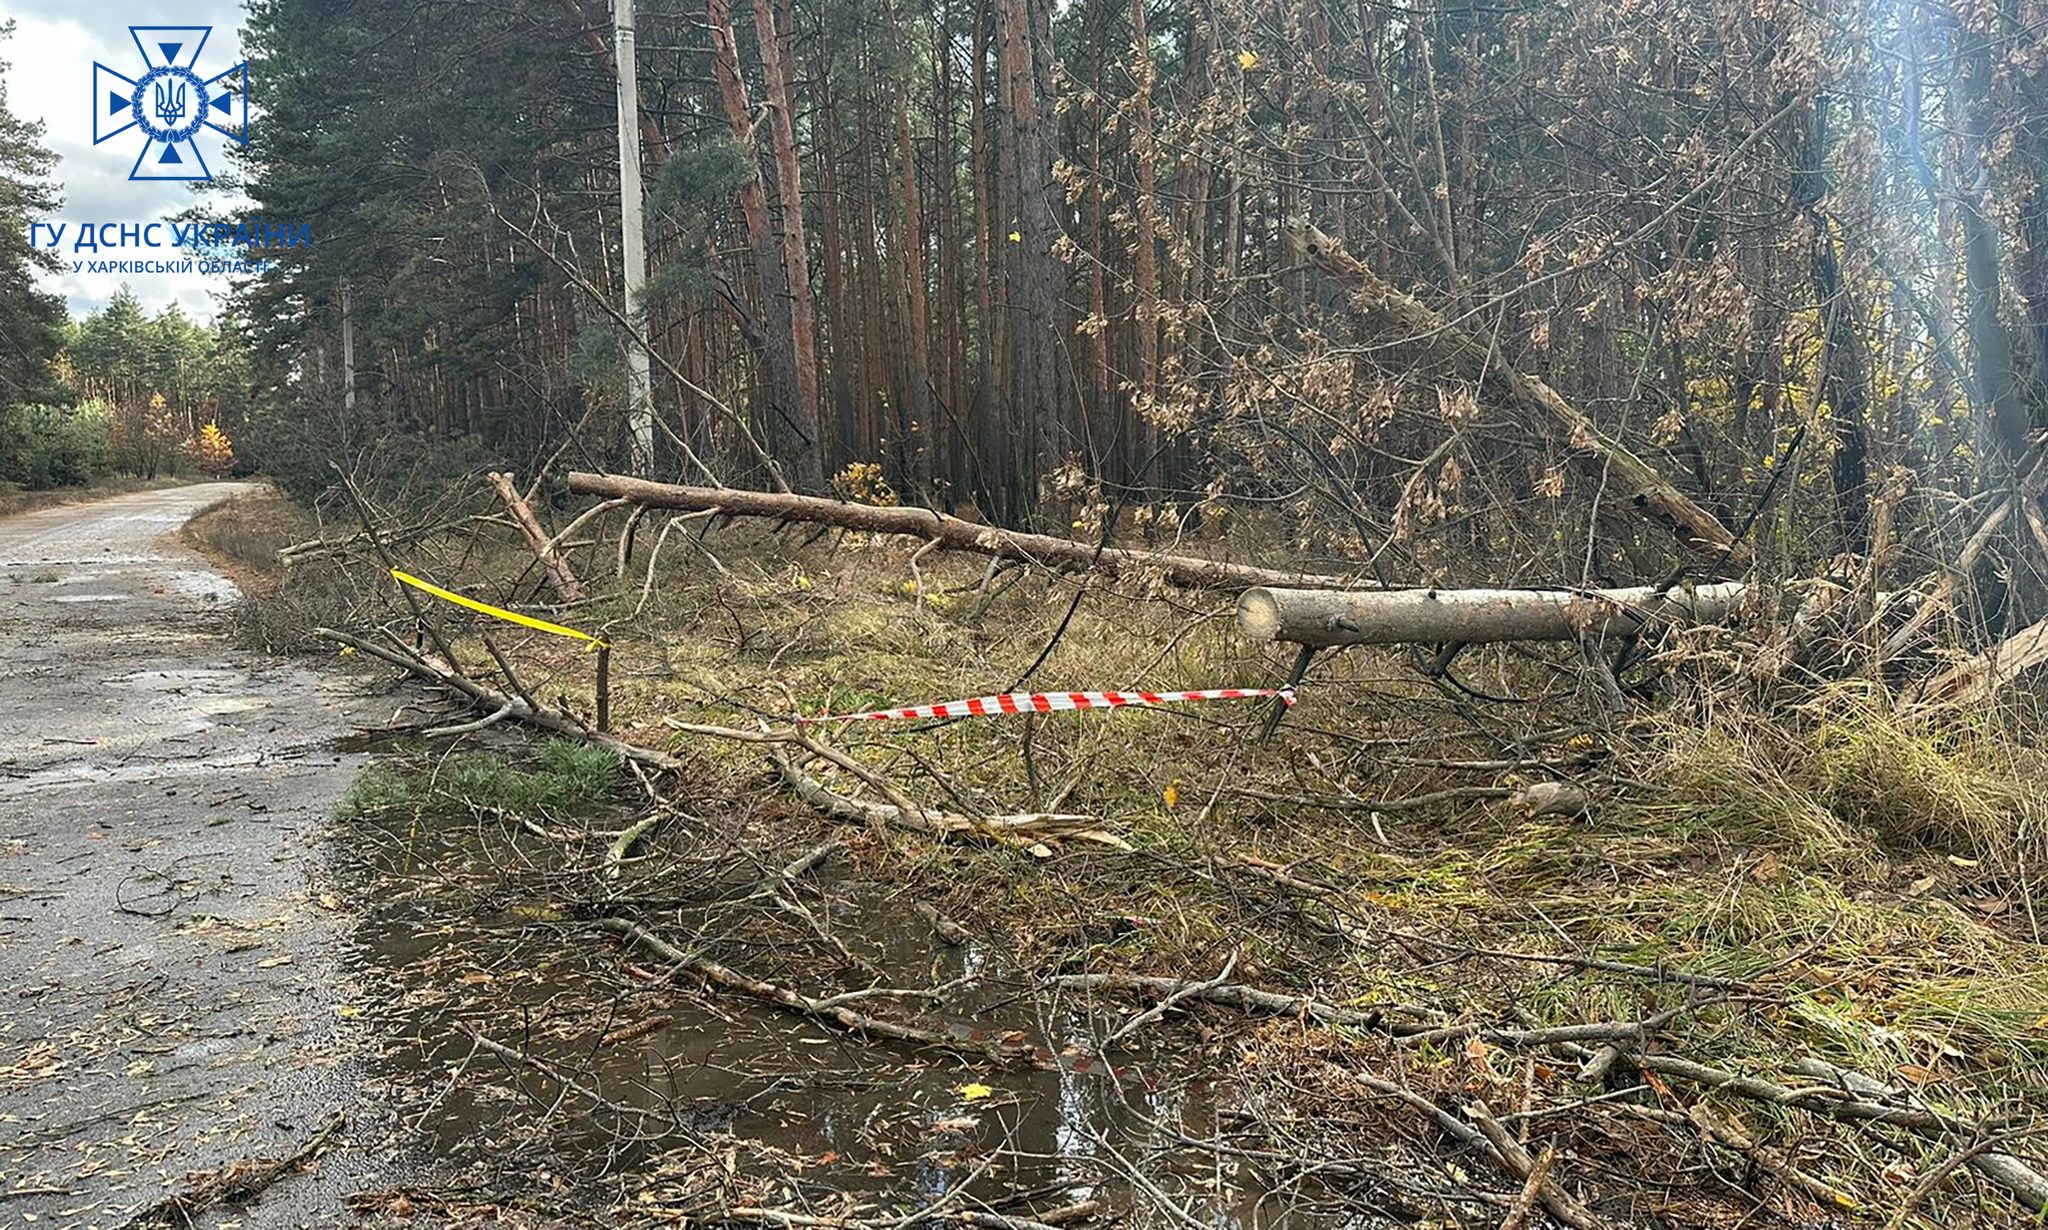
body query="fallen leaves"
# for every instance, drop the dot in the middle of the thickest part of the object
(39, 1062)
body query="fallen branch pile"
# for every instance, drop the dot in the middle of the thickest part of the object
(1027, 831)
(1624, 1072)
(498, 706)
(1836, 1093)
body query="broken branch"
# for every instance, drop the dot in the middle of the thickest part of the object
(947, 532)
(560, 578)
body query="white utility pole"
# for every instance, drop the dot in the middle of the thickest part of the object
(348, 350)
(640, 384)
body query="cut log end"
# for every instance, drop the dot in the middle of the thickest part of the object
(1258, 614)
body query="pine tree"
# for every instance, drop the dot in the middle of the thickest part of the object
(32, 321)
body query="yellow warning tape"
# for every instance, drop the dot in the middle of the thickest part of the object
(495, 612)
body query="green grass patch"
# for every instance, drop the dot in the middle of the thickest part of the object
(565, 778)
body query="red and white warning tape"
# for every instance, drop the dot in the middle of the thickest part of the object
(1053, 702)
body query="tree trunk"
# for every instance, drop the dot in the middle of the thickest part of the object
(807, 469)
(1145, 247)
(1040, 389)
(991, 353)
(1845, 385)
(778, 343)
(952, 315)
(917, 315)
(1844, 381)
(1472, 616)
(1997, 379)
(953, 533)
(845, 393)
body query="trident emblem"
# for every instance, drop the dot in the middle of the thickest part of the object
(170, 103)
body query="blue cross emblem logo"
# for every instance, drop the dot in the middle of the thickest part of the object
(170, 102)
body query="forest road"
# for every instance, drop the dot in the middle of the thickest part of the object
(171, 992)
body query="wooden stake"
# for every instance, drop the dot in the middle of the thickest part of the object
(1280, 706)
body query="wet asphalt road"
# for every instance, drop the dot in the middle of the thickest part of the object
(170, 994)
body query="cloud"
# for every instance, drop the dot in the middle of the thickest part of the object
(49, 78)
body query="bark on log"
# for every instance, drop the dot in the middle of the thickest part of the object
(560, 579)
(1472, 616)
(1979, 678)
(951, 533)
(1389, 311)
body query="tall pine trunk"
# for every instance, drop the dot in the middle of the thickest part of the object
(776, 342)
(1040, 389)
(916, 310)
(806, 469)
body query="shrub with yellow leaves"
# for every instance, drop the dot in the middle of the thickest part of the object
(862, 482)
(212, 451)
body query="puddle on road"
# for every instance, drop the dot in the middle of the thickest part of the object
(455, 937)
(61, 561)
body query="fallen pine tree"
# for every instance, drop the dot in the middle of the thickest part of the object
(1320, 618)
(948, 532)
(1626, 1046)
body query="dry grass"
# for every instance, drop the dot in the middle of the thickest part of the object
(15, 500)
(242, 537)
(244, 533)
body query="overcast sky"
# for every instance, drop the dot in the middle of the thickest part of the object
(49, 78)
